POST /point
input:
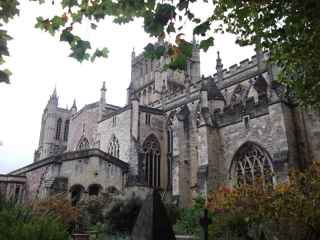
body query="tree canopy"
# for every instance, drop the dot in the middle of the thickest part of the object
(289, 29)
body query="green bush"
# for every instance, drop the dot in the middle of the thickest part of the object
(188, 218)
(19, 223)
(93, 211)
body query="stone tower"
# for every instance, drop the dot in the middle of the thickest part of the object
(54, 128)
(151, 82)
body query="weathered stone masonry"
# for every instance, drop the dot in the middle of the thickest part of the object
(180, 132)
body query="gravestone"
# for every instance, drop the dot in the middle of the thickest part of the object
(153, 222)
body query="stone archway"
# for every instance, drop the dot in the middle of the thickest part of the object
(94, 189)
(76, 192)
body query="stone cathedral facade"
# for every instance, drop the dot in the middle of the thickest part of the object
(181, 132)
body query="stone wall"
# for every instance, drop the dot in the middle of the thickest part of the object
(92, 170)
(84, 123)
(34, 186)
(84, 167)
(312, 122)
(117, 125)
(268, 131)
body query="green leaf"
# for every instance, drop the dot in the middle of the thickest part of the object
(99, 53)
(186, 48)
(179, 63)
(66, 36)
(69, 3)
(202, 28)
(4, 76)
(154, 52)
(183, 4)
(77, 16)
(171, 28)
(207, 43)
(196, 20)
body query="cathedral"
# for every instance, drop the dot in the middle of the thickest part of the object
(180, 132)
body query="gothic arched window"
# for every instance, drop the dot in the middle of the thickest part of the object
(83, 144)
(58, 129)
(114, 147)
(66, 130)
(151, 150)
(250, 163)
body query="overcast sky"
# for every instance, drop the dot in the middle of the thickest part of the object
(39, 62)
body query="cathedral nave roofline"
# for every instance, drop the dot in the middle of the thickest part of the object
(71, 156)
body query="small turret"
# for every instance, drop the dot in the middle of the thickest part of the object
(219, 68)
(195, 62)
(133, 55)
(102, 102)
(74, 107)
(103, 92)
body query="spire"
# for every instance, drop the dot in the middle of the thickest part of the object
(103, 92)
(219, 68)
(133, 54)
(54, 94)
(54, 97)
(103, 86)
(74, 105)
(219, 65)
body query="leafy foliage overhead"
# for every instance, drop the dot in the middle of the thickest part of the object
(289, 29)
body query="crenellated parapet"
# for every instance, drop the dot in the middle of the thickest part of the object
(245, 69)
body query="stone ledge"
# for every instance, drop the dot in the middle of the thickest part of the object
(69, 156)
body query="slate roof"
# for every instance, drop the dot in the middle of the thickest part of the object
(213, 92)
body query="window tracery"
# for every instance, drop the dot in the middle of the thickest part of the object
(251, 163)
(83, 144)
(58, 129)
(114, 147)
(151, 149)
(66, 130)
